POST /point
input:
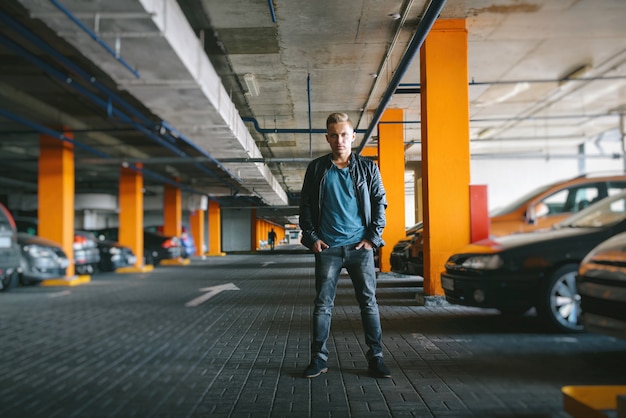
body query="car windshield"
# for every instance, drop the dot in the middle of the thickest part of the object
(520, 201)
(606, 212)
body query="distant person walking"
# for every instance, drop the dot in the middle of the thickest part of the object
(271, 238)
(342, 216)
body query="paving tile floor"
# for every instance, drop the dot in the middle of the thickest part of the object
(229, 337)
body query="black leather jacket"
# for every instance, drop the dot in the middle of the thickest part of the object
(369, 191)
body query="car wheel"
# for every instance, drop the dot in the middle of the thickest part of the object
(8, 281)
(147, 258)
(559, 303)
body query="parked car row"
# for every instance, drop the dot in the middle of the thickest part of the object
(27, 258)
(157, 247)
(573, 273)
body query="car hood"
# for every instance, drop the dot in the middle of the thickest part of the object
(514, 241)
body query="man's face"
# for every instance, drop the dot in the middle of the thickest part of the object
(340, 137)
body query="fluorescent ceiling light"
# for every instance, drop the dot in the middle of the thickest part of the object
(253, 88)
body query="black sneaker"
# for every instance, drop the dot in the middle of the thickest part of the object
(315, 368)
(377, 367)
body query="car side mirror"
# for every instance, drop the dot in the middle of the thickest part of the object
(535, 212)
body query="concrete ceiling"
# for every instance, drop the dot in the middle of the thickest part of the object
(163, 83)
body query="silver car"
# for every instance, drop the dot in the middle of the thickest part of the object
(42, 259)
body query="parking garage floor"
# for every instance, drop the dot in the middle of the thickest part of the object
(229, 337)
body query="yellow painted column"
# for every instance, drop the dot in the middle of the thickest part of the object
(445, 147)
(391, 163)
(55, 210)
(255, 231)
(196, 226)
(215, 238)
(172, 211)
(370, 152)
(131, 212)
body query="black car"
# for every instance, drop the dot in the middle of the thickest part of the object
(601, 283)
(42, 259)
(9, 250)
(114, 255)
(538, 269)
(407, 256)
(156, 247)
(86, 252)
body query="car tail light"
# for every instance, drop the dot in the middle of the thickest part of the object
(170, 243)
(79, 240)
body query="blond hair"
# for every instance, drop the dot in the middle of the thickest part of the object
(337, 118)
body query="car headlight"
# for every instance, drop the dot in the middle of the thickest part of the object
(114, 251)
(483, 262)
(37, 251)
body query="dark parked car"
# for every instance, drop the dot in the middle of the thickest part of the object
(86, 252)
(114, 255)
(407, 256)
(517, 272)
(156, 247)
(186, 239)
(42, 259)
(9, 250)
(602, 286)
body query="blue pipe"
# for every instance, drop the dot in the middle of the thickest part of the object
(424, 26)
(95, 37)
(270, 3)
(122, 103)
(111, 95)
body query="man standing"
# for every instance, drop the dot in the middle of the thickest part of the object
(271, 238)
(342, 216)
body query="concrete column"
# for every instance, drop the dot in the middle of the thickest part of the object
(172, 211)
(445, 147)
(196, 226)
(131, 212)
(215, 238)
(391, 163)
(55, 210)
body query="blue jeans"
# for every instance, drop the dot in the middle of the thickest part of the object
(360, 267)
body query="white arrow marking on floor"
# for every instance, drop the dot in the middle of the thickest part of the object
(267, 263)
(62, 293)
(211, 291)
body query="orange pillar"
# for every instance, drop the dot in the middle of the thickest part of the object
(196, 226)
(215, 238)
(445, 147)
(255, 230)
(370, 152)
(131, 212)
(55, 209)
(391, 163)
(172, 211)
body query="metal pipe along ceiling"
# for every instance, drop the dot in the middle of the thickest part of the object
(167, 142)
(423, 28)
(95, 37)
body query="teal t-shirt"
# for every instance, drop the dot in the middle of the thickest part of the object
(340, 220)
